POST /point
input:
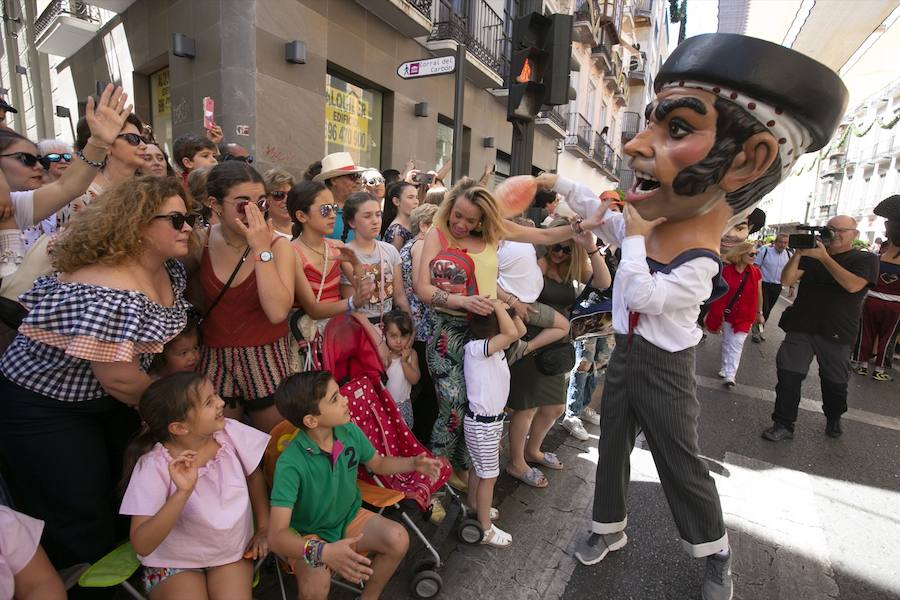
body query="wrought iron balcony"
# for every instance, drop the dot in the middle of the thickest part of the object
(584, 28)
(607, 159)
(412, 18)
(555, 118)
(609, 15)
(631, 125)
(579, 133)
(637, 74)
(603, 57)
(475, 24)
(65, 26)
(642, 11)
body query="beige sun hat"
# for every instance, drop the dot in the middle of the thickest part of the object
(337, 164)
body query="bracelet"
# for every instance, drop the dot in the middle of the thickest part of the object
(95, 144)
(312, 552)
(594, 252)
(93, 163)
(350, 307)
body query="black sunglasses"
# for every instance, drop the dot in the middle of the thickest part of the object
(247, 159)
(278, 195)
(26, 158)
(178, 219)
(561, 248)
(134, 139)
(55, 157)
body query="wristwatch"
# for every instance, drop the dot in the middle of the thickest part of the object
(264, 256)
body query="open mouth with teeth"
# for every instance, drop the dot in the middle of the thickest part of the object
(644, 183)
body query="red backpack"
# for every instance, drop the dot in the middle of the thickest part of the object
(453, 270)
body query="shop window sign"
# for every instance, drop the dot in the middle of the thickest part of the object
(353, 121)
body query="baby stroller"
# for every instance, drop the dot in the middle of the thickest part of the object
(352, 358)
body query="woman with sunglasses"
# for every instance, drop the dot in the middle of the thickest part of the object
(246, 348)
(539, 399)
(71, 380)
(734, 314)
(278, 184)
(56, 155)
(401, 199)
(126, 158)
(468, 220)
(373, 182)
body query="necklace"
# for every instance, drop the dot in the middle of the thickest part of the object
(319, 252)
(239, 246)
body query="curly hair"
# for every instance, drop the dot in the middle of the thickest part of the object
(275, 178)
(491, 228)
(110, 229)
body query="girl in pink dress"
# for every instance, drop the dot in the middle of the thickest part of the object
(193, 495)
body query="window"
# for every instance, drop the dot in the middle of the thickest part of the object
(444, 148)
(161, 108)
(353, 121)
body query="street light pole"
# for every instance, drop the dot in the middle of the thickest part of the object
(458, 101)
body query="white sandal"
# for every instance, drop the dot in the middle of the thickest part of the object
(496, 537)
(494, 515)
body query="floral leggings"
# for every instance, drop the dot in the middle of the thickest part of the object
(444, 354)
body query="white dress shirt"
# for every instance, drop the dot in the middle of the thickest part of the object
(668, 303)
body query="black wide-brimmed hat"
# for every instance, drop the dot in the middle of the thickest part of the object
(791, 82)
(5, 106)
(756, 220)
(889, 208)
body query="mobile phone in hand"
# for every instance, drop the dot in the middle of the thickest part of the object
(421, 177)
(209, 108)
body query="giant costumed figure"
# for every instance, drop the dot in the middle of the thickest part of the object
(731, 116)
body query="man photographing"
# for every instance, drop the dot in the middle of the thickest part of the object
(823, 323)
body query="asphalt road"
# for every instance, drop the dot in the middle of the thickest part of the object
(812, 518)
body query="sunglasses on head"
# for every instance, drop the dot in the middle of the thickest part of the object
(328, 209)
(134, 139)
(26, 158)
(55, 157)
(247, 159)
(280, 196)
(561, 248)
(178, 219)
(376, 180)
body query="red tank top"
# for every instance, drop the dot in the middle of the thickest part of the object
(238, 320)
(331, 292)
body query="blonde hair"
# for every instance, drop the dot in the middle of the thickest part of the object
(491, 228)
(737, 251)
(275, 178)
(110, 229)
(435, 195)
(421, 215)
(574, 270)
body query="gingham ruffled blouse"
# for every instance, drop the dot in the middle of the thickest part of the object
(71, 325)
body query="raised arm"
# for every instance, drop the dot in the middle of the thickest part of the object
(536, 235)
(105, 120)
(509, 330)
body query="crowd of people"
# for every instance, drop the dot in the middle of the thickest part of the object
(160, 322)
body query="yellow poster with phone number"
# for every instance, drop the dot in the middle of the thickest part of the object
(346, 119)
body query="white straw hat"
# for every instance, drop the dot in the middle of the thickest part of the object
(337, 164)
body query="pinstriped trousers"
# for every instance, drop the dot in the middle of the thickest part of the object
(655, 390)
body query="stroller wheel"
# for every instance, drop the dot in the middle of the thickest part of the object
(426, 584)
(470, 531)
(426, 563)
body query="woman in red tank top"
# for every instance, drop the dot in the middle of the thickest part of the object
(245, 332)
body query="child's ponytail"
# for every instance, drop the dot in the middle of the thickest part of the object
(165, 401)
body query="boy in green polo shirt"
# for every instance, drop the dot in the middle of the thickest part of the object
(314, 493)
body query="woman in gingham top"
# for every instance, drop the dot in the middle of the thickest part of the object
(71, 379)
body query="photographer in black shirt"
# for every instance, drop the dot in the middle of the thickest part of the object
(823, 323)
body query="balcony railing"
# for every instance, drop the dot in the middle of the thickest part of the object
(642, 10)
(631, 125)
(579, 133)
(475, 24)
(608, 160)
(609, 12)
(72, 8)
(555, 116)
(597, 148)
(423, 6)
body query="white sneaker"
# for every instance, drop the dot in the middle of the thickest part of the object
(722, 373)
(590, 415)
(575, 428)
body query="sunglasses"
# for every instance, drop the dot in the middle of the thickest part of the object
(328, 209)
(353, 176)
(55, 157)
(280, 196)
(377, 180)
(178, 220)
(27, 159)
(751, 254)
(247, 159)
(242, 206)
(134, 139)
(561, 248)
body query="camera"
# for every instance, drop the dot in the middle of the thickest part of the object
(803, 241)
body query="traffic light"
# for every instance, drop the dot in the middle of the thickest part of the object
(539, 64)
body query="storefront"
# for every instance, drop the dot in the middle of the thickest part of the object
(353, 120)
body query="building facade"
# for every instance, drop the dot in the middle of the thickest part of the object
(346, 94)
(859, 168)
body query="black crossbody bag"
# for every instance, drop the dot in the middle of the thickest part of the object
(226, 286)
(737, 292)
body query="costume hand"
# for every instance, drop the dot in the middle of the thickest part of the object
(215, 134)
(818, 253)
(106, 117)
(183, 471)
(546, 181)
(257, 231)
(479, 305)
(637, 225)
(428, 466)
(343, 560)
(258, 546)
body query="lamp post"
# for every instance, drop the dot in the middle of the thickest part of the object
(64, 113)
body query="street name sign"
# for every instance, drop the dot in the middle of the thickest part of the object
(428, 67)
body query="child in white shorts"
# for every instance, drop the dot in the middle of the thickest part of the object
(487, 386)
